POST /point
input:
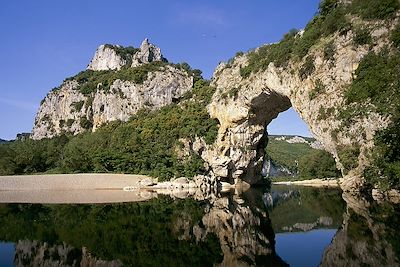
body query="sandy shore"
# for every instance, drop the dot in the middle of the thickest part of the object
(312, 182)
(72, 188)
(86, 181)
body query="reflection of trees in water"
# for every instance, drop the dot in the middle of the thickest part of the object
(297, 208)
(369, 235)
(162, 232)
(225, 231)
(137, 234)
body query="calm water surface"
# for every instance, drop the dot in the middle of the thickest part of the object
(282, 226)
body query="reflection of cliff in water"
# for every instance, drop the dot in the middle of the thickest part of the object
(293, 209)
(369, 235)
(161, 232)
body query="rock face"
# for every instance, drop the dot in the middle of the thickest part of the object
(147, 53)
(68, 109)
(271, 169)
(106, 58)
(114, 57)
(244, 106)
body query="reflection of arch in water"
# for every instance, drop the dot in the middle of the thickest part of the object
(368, 237)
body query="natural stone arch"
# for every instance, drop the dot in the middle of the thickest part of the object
(242, 137)
(244, 106)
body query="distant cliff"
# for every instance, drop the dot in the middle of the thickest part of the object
(118, 82)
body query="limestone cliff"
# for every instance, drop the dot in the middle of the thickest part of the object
(114, 57)
(247, 100)
(111, 90)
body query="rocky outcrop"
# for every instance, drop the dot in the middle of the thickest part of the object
(299, 140)
(69, 109)
(245, 105)
(34, 253)
(106, 58)
(114, 57)
(147, 53)
(271, 169)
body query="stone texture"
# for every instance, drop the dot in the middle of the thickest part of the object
(124, 100)
(245, 106)
(106, 58)
(148, 53)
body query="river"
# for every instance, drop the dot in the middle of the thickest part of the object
(280, 226)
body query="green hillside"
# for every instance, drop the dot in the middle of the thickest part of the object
(149, 143)
(301, 158)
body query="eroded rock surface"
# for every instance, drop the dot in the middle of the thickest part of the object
(65, 109)
(244, 106)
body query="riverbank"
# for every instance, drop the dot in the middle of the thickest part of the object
(82, 181)
(312, 182)
(95, 188)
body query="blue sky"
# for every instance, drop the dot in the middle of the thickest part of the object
(45, 41)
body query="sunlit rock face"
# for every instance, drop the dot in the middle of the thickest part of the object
(244, 106)
(147, 53)
(368, 236)
(68, 109)
(34, 253)
(106, 58)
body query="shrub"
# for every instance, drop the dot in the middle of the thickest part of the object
(348, 156)
(362, 36)
(318, 89)
(307, 68)
(329, 51)
(90, 81)
(70, 122)
(326, 6)
(245, 72)
(323, 113)
(395, 36)
(77, 106)
(85, 123)
(385, 170)
(372, 9)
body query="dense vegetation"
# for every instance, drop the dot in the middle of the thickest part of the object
(147, 144)
(90, 81)
(138, 234)
(376, 88)
(330, 19)
(302, 160)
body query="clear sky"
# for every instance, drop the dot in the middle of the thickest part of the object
(45, 41)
